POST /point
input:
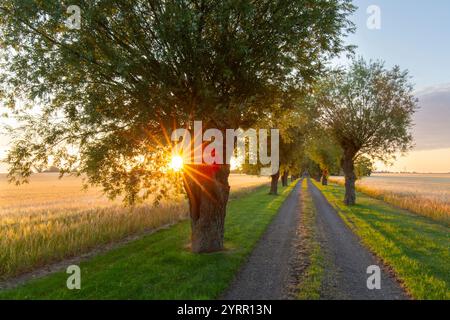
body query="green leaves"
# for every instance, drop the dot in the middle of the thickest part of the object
(368, 109)
(323, 150)
(137, 68)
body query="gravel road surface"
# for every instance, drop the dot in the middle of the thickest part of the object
(266, 273)
(346, 271)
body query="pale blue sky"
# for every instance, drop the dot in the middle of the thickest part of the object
(414, 34)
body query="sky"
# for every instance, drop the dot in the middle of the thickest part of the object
(414, 34)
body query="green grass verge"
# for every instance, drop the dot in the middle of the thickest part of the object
(415, 247)
(159, 266)
(311, 280)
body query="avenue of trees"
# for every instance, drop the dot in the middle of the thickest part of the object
(110, 93)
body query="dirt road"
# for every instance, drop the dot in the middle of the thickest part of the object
(266, 274)
(347, 260)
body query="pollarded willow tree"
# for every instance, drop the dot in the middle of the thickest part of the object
(368, 110)
(136, 69)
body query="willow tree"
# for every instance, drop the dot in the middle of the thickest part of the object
(135, 69)
(322, 149)
(368, 110)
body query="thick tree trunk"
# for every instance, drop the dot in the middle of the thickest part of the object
(284, 178)
(350, 177)
(208, 190)
(274, 184)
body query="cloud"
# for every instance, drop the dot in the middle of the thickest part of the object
(432, 120)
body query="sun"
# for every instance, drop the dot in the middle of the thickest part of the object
(235, 163)
(176, 163)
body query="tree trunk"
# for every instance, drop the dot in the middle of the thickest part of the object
(350, 177)
(325, 177)
(208, 190)
(274, 184)
(284, 178)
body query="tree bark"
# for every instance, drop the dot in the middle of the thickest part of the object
(350, 177)
(284, 178)
(208, 190)
(274, 184)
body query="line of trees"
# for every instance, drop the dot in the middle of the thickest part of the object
(352, 117)
(113, 89)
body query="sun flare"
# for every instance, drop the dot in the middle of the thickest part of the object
(176, 163)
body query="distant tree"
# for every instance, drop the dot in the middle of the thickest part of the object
(136, 69)
(368, 110)
(294, 140)
(363, 167)
(52, 169)
(322, 149)
(294, 119)
(311, 168)
(290, 122)
(291, 153)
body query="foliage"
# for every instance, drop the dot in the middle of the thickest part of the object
(363, 167)
(295, 120)
(324, 151)
(368, 109)
(311, 167)
(106, 95)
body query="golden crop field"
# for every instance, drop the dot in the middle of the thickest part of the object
(50, 219)
(423, 194)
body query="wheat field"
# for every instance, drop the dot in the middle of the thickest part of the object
(50, 219)
(423, 194)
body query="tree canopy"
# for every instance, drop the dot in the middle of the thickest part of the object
(368, 110)
(136, 69)
(322, 149)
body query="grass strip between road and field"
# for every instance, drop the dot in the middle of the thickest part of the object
(160, 265)
(415, 247)
(311, 279)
